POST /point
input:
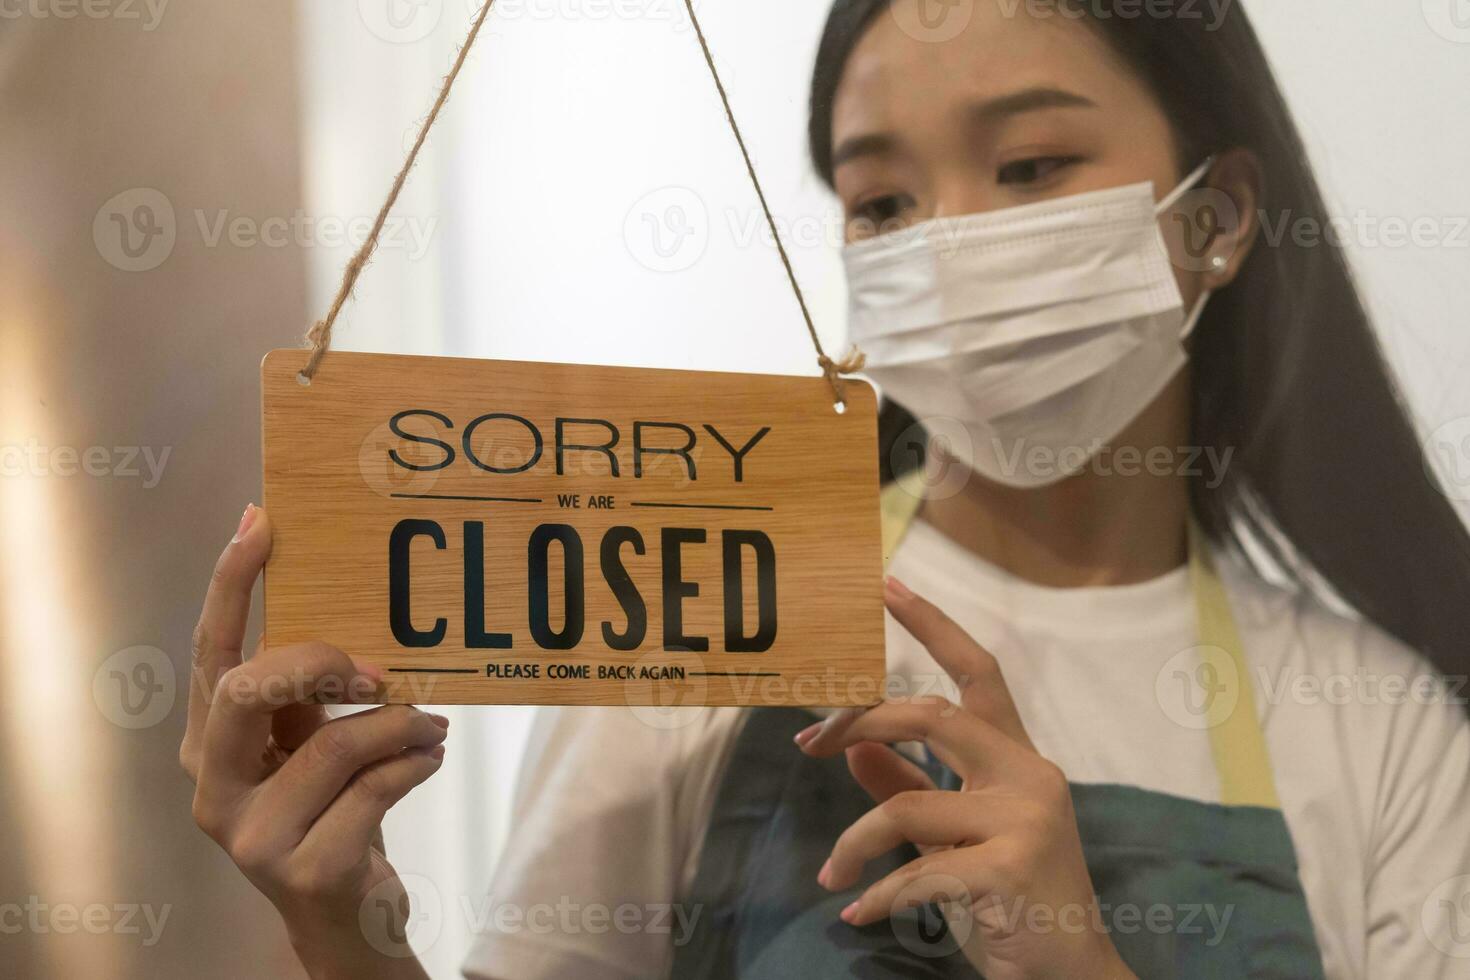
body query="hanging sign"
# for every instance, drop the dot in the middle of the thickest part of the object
(500, 532)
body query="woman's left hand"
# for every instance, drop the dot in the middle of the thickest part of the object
(1005, 846)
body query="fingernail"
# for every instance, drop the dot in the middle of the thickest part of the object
(825, 873)
(849, 913)
(898, 588)
(437, 753)
(440, 720)
(246, 519)
(807, 734)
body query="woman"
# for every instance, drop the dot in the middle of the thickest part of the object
(1129, 776)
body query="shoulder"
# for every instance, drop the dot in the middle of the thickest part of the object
(1309, 651)
(1339, 689)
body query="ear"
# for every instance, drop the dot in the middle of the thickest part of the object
(1223, 217)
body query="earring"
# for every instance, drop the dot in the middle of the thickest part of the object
(1218, 263)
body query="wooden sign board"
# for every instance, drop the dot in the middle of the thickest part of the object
(499, 532)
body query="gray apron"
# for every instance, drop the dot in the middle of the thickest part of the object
(1219, 880)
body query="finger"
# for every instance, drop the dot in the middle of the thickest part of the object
(297, 795)
(968, 744)
(295, 723)
(974, 669)
(249, 695)
(963, 875)
(923, 818)
(884, 772)
(350, 824)
(219, 636)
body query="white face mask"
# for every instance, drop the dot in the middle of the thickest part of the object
(1044, 330)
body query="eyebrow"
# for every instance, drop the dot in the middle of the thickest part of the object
(988, 112)
(1028, 100)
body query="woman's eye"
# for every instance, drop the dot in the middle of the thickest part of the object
(877, 212)
(1032, 169)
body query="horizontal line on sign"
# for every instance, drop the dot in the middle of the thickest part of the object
(732, 673)
(432, 670)
(485, 500)
(702, 506)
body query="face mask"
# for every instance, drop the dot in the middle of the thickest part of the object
(1043, 330)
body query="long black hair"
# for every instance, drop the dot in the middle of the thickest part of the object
(1328, 482)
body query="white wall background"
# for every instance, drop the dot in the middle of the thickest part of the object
(1381, 91)
(583, 201)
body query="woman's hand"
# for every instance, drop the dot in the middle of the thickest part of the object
(293, 796)
(1004, 848)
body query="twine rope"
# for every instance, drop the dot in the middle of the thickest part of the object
(319, 337)
(855, 359)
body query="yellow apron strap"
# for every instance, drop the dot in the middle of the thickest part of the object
(1236, 740)
(900, 503)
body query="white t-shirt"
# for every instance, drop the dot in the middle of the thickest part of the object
(1372, 764)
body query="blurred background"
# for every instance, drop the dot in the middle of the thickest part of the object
(180, 185)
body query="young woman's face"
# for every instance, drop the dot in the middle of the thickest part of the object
(1014, 110)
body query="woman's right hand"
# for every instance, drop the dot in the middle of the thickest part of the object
(294, 796)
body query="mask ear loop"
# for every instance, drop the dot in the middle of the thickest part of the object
(1195, 315)
(1198, 174)
(1171, 199)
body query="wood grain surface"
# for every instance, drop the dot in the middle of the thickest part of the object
(740, 512)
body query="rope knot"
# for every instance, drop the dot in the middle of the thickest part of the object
(852, 362)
